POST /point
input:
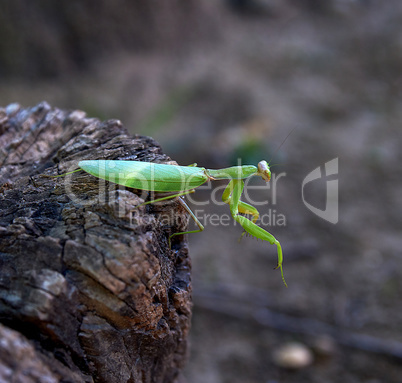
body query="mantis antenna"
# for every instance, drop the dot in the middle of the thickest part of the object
(280, 145)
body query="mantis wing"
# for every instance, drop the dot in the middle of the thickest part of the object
(146, 175)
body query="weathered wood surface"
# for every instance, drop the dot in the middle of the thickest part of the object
(89, 292)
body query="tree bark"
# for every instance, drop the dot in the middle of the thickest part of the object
(90, 290)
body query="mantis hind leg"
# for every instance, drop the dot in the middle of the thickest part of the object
(231, 195)
(61, 175)
(185, 206)
(167, 197)
(192, 215)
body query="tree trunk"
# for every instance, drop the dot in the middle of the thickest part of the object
(89, 289)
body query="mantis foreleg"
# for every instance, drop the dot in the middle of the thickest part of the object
(232, 195)
(243, 208)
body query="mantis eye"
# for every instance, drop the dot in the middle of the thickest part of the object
(264, 171)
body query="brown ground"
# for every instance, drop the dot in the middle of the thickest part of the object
(335, 77)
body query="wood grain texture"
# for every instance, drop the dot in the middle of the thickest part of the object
(87, 281)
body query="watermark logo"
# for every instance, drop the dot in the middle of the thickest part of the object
(330, 213)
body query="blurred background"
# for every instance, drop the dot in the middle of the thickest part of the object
(215, 81)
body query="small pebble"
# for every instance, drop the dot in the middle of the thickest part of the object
(293, 355)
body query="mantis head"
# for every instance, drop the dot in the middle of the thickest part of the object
(264, 171)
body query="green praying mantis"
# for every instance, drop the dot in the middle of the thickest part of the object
(182, 180)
